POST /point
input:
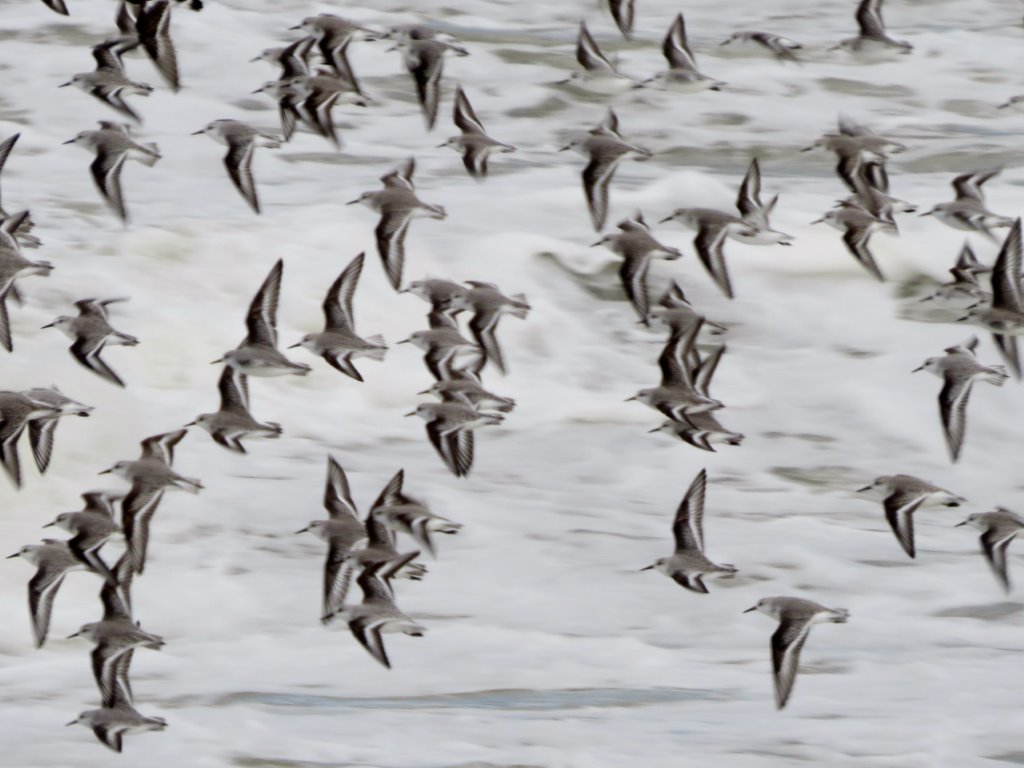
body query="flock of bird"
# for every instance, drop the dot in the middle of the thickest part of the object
(366, 548)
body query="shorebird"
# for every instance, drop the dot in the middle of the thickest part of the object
(150, 475)
(233, 423)
(682, 73)
(998, 529)
(115, 636)
(333, 35)
(338, 343)
(795, 616)
(91, 527)
(404, 514)
(872, 37)
(53, 560)
(113, 145)
(604, 149)
(446, 348)
(968, 211)
(857, 226)
(712, 228)
(42, 428)
(688, 563)
(473, 142)
(902, 496)
(111, 724)
(258, 355)
(959, 369)
(376, 615)
(756, 213)
(108, 83)
(450, 429)
(342, 531)
(635, 244)
(488, 304)
(596, 72)
(91, 332)
(464, 387)
(240, 140)
(398, 205)
(424, 59)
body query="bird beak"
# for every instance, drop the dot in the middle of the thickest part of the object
(667, 218)
(218, 360)
(648, 568)
(411, 413)
(64, 85)
(403, 341)
(656, 429)
(628, 399)
(566, 147)
(76, 634)
(69, 141)
(106, 472)
(963, 319)
(197, 133)
(352, 202)
(190, 424)
(865, 488)
(260, 89)
(594, 245)
(926, 213)
(302, 530)
(753, 608)
(71, 723)
(11, 557)
(441, 146)
(293, 346)
(297, 26)
(959, 524)
(50, 524)
(818, 221)
(919, 368)
(49, 325)
(424, 392)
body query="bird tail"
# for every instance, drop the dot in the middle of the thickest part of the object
(839, 616)
(379, 350)
(520, 306)
(996, 375)
(151, 154)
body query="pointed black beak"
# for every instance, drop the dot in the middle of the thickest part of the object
(197, 133)
(752, 608)
(865, 488)
(302, 530)
(11, 557)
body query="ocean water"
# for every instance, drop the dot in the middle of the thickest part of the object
(546, 646)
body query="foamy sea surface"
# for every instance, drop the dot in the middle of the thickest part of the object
(546, 646)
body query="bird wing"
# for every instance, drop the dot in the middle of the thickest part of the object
(40, 437)
(633, 273)
(464, 116)
(338, 304)
(675, 48)
(899, 512)
(238, 162)
(953, 409)
(367, 632)
(688, 525)
(390, 234)
(337, 495)
(710, 245)
(261, 320)
(106, 173)
(87, 352)
(787, 642)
